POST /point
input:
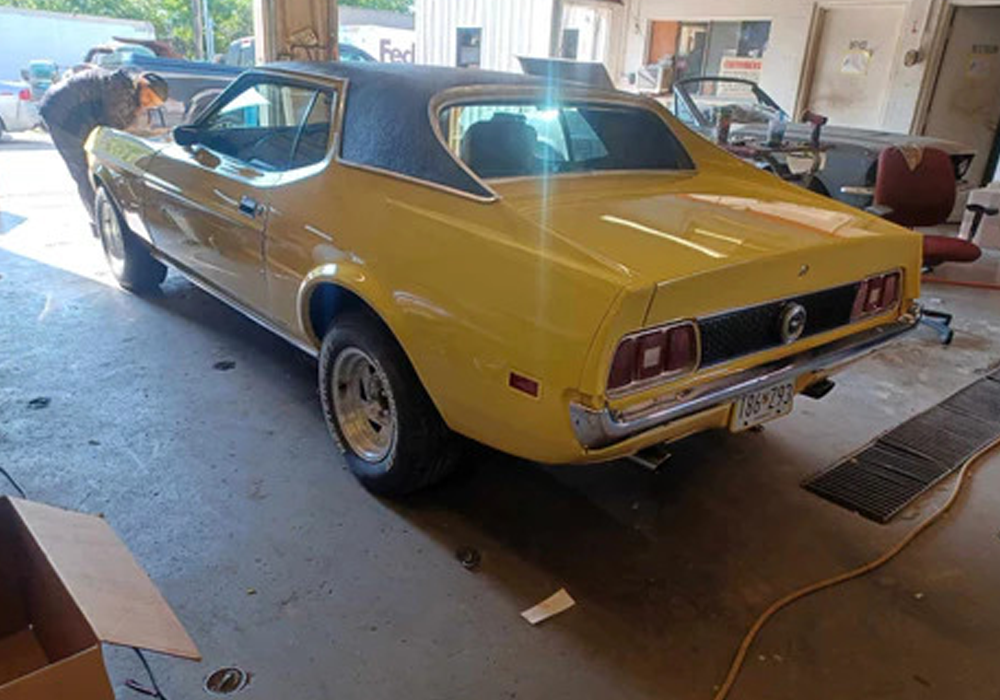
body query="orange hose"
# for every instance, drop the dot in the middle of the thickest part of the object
(741, 653)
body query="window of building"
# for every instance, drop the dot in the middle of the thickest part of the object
(468, 41)
(728, 49)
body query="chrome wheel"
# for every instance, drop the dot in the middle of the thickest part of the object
(111, 236)
(363, 404)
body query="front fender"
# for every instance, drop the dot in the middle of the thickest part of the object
(118, 161)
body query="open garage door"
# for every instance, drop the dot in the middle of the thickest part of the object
(966, 101)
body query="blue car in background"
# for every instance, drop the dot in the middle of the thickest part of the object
(41, 74)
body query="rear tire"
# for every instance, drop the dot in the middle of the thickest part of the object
(130, 261)
(391, 435)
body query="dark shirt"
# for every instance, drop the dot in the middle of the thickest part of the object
(92, 98)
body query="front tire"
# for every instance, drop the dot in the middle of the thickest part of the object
(389, 431)
(130, 261)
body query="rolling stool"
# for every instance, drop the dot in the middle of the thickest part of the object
(924, 196)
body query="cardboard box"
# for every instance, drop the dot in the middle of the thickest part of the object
(68, 584)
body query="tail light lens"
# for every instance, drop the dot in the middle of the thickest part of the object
(876, 295)
(654, 354)
(24, 95)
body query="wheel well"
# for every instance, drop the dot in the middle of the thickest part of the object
(328, 301)
(98, 186)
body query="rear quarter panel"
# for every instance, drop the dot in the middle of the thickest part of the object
(468, 288)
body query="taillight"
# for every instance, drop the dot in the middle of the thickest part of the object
(876, 295)
(653, 354)
(24, 95)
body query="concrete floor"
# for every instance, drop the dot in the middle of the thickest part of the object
(227, 488)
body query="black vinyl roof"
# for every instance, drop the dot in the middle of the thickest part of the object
(386, 123)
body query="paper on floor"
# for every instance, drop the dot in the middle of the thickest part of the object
(558, 602)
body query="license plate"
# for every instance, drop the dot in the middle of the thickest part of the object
(760, 406)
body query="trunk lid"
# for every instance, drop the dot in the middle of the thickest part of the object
(706, 249)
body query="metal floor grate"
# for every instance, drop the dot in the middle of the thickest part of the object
(885, 477)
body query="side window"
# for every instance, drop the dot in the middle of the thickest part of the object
(259, 125)
(314, 140)
(683, 112)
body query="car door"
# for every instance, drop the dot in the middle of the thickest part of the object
(207, 204)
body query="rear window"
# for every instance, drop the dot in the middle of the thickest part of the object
(523, 139)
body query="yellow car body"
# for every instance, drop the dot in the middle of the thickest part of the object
(538, 278)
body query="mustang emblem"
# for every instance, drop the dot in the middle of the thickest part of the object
(793, 322)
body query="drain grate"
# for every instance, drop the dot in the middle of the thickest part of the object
(885, 477)
(227, 681)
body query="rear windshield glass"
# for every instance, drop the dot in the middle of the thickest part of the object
(514, 140)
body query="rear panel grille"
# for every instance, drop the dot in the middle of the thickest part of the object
(746, 331)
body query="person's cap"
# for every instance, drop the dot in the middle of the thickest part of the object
(157, 84)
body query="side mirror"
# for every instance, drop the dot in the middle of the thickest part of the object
(185, 135)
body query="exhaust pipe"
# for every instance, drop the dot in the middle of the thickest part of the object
(651, 458)
(819, 389)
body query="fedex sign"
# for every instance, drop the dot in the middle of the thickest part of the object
(387, 53)
(386, 44)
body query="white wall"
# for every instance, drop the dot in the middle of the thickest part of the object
(29, 34)
(385, 44)
(511, 28)
(522, 27)
(790, 26)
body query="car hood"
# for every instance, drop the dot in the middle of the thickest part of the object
(651, 234)
(868, 139)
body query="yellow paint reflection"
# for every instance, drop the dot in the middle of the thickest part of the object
(822, 220)
(704, 250)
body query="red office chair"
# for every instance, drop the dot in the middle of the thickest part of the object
(925, 196)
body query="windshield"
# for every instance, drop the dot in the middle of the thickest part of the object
(745, 103)
(524, 139)
(42, 71)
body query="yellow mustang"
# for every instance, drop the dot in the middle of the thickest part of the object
(563, 273)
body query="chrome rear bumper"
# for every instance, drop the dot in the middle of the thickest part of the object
(604, 427)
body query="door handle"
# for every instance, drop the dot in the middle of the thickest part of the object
(248, 206)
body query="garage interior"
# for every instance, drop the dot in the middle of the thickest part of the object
(195, 434)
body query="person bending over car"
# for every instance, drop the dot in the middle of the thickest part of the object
(96, 97)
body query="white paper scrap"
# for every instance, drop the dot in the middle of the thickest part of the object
(558, 602)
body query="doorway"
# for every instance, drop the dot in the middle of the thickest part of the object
(586, 32)
(965, 102)
(851, 62)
